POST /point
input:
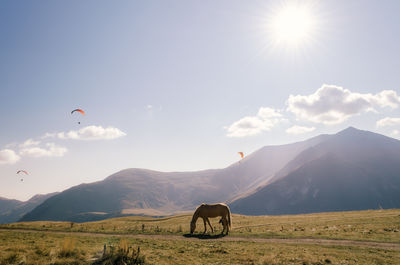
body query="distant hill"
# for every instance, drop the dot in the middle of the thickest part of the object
(13, 210)
(142, 191)
(350, 170)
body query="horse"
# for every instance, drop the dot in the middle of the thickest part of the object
(212, 210)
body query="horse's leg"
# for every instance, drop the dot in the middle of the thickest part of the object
(227, 226)
(205, 226)
(212, 229)
(224, 224)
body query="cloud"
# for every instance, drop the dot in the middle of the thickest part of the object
(265, 120)
(29, 142)
(333, 104)
(51, 150)
(299, 129)
(49, 135)
(388, 122)
(385, 98)
(396, 132)
(91, 133)
(8, 156)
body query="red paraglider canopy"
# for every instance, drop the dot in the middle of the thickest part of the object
(79, 110)
(22, 171)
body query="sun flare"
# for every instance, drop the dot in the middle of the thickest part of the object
(292, 24)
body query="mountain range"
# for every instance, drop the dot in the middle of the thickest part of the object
(13, 210)
(350, 170)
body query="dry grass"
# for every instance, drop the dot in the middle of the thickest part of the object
(124, 254)
(374, 225)
(68, 248)
(123, 245)
(16, 247)
(51, 248)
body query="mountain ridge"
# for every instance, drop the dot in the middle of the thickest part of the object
(141, 191)
(371, 161)
(12, 210)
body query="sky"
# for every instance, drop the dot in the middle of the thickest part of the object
(184, 85)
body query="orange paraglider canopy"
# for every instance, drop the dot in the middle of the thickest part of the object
(79, 110)
(241, 154)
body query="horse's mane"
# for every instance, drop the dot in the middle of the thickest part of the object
(196, 213)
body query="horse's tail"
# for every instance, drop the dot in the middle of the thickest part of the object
(229, 218)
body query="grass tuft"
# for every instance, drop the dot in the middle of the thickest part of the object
(12, 258)
(123, 255)
(68, 248)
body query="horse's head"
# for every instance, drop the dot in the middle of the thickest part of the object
(192, 227)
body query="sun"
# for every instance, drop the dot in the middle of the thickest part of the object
(292, 24)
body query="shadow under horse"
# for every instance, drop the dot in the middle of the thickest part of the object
(206, 211)
(204, 236)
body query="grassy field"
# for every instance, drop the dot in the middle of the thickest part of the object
(82, 243)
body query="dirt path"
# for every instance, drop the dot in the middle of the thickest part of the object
(311, 241)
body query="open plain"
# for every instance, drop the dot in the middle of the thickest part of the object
(359, 237)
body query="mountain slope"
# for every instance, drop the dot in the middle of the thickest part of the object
(13, 210)
(124, 190)
(7, 205)
(352, 170)
(138, 190)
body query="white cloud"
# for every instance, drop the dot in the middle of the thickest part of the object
(385, 98)
(265, 120)
(396, 132)
(299, 129)
(268, 113)
(51, 150)
(388, 122)
(49, 135)
(91, 133)
(29, 142)
(248, 126)
(333, 104)
(8, 156)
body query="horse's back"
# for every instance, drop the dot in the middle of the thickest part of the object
(213, 210)
(215, 205)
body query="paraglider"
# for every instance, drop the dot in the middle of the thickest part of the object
(22, 171)
(78, 110)
(241, 154)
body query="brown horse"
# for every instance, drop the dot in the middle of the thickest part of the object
(206, 211)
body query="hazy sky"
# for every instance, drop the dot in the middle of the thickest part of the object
(184, 85)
